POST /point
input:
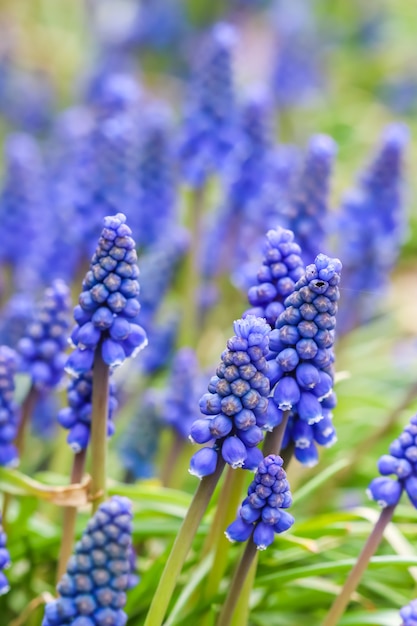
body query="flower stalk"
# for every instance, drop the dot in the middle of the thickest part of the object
(99, 429)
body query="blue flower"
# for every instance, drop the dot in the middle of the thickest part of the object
(281, 268)
(301, 359)
(235, 404)
(371, 228)
(9, 417)
(208, 130)
(308, 203)
(262, 514)
(42, 348)
(4, 561)
(109, 302)
(409, 614)
(77, 416)
(402, 463)
(92, 591)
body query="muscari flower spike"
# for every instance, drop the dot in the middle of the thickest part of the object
(42, 348)
(308, 204)
(77, 416)
(236, 404)
(108, 302)
(92, 591)
(4, 561)
(402, 463)
(262, 514)
(281, 268)
(301, 374)
(408, 614)
(9, 418)
(208, 130)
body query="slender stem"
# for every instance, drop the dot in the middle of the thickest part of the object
(190, 316)
(182, 544)
(70, 516)
(241, 612)
(168, 473)
(27, 409)
(99, 416)
(287, 455)
(237, 583)
(229, 499)
(273, 440)
(356, 573)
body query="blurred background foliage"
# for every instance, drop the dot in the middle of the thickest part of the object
(369, 79)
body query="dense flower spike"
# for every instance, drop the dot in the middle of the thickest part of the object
(208, 130)
(108, 302)
(139, 443)
(156, 177)
(77, 416)
(402, 462)
(8, 409)
(408, 614)
(301, 374)
(371, 228)
(261, 514)
(282, 267)
(308, 204)
(183, 392)
(42, 348)
(4, 561)
(235, 407)
(92, 592)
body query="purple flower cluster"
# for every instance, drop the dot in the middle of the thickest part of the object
(408, 614)
(261, 514)
(236, 403)
(208, 130)
(308, 205)
(108, 302)
(42, 348)
(282, 267)
(402, 462)
(92, 592)
(77, 416)
(9, 419)
(4, 561)
(301, 373)
(182, 393)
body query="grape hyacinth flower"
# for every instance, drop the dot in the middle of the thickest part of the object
(301, 374)
(4, 561)
(139, 443)
(281, 268)
(9, 417)
(236, 404)
(261, 514)
(155, 177)
(308, 204)
(408, 614)
(371, 228)
(402, 463)
(93, 589)
(42, 348)
(16, 314)
(208, 129)
(108, 302)
(77, 416)
(183, 392)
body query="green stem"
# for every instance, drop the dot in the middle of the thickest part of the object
(356, 573)
(168, 472)
(182, 544)
(237, 584)
(287, 455)
(241, 612)
(99, 416)
(27, 409)
(190, 315)
(229, 499)
(70, 516)
(273, 440)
